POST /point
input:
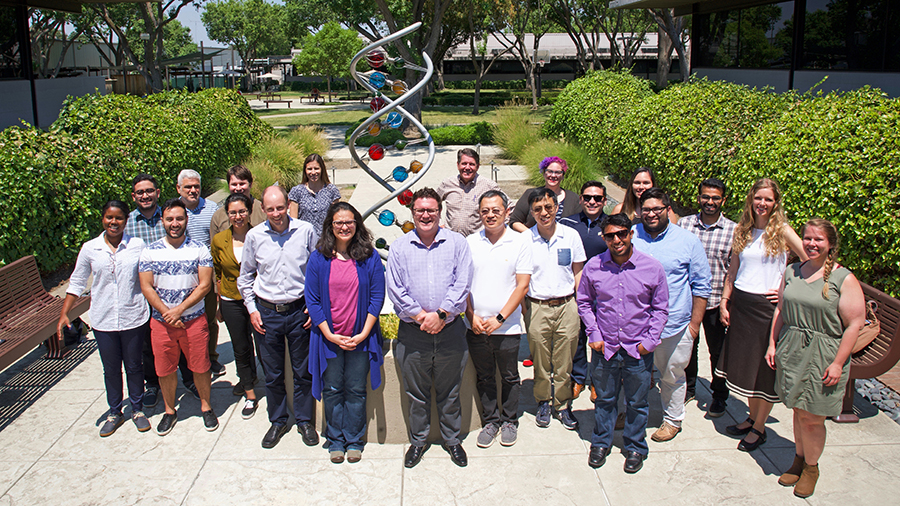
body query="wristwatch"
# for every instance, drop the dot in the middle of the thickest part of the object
(500, 318)
(442, 314)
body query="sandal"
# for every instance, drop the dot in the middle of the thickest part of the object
(744, 446)
(734, 430)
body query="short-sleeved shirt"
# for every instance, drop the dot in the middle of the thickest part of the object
(312, 207)
(176, 273)
(716, 240)
(494, 275)
(553, 276)
(461, 201)
(199, 219)
(146, 230)
(590, 231)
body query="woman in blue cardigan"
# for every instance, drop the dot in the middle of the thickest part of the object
(344, 294)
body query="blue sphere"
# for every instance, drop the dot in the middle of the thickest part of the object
(394, 119)
(400, 174)
(377, 80)
(386, 218)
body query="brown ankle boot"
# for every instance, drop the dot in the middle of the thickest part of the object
(790, 477)
(806, 485)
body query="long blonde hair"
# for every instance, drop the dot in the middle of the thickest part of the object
(834, 244)
(774, 233)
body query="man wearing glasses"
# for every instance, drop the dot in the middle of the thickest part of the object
(623, 301)
(460, 194)
(688, 277)
(587, 224)
(716, 232)
(240, 180)
(429, 275)
(551, 317)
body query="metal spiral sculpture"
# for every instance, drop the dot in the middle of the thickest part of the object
(382, 106)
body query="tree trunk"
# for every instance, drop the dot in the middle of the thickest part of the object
(663, 60)
(439, 79)
(478, 80)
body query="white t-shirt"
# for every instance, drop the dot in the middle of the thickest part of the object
(176, 273)
(553, 276)
(758, 272)
(494, 276)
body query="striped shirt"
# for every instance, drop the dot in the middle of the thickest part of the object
(148, 231)
(716, 240)
(199, 219)
(176, 273)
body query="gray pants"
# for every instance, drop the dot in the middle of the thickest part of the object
(436, 360)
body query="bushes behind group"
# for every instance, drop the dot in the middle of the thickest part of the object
(55, 182)
(836, 155)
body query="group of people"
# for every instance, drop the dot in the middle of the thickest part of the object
(635, 287)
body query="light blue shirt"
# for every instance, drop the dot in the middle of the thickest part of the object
(687, 270)
(199, 219)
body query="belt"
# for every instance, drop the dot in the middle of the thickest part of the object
(559, 301)
(286, 307)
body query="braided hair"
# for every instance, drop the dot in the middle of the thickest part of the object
(834, 244)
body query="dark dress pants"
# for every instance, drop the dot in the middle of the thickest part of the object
(715, 336)
(120, 348)
(490, 354)
(579, 360)
(285, 334)
(237, 320)
(433, 360)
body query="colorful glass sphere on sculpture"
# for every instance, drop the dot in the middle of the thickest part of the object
(375, 128)
(377, 79)
(400, 174)
(376, 151)
(377, 104)
(407, 227)
(381, 243)
(376, 58)
(415, 166)
(405, 198)
(394, 119)
(399, 87)
(386, 218)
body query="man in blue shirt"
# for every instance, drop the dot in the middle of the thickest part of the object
(688, 276)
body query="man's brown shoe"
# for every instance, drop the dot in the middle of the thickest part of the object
(593, 394)
(665, 433)
(576, 390)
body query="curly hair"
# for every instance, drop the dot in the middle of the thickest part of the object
(360, 247)
(774, 234)
(834, 245)
(553, 159)
(631, 205)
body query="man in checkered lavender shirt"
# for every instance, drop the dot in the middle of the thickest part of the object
(716, 233)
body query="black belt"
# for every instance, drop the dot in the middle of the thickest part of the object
(551, 302)
(286, 307)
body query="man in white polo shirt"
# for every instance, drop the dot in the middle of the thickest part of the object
(551, 315)
(502, 269)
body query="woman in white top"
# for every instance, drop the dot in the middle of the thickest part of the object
(119, 312)
(759, 256)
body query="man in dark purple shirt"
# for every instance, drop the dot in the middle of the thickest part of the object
(623, 300)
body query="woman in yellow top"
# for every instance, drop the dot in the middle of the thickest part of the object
(227, 248)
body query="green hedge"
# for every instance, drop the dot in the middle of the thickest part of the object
(55, 182)
(474, 133)
(490, 99)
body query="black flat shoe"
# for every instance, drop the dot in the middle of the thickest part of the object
(457, 455)
(308, 434)
(274, 434)
(414, 455)
(734, 430)
(634, 461)
(597, 457)
(744, 446)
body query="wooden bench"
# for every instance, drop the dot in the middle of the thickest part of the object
(28, 314)
(288, 102)
(270, 95)
(249, 94)
(880, 355)
(313, 96)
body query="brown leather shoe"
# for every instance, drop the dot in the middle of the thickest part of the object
(666, 432)
(806, 485)
(593, 394)
(790, 477)
(620, 421)
(576, 390)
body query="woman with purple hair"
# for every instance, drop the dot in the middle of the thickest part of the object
(554, 169)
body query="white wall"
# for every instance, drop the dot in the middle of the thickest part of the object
(16, 104)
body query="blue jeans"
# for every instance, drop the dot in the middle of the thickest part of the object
(280, 327)
(579, 360)
(118, 348)
(610, 376)
(344, 399)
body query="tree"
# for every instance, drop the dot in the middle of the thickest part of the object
(251, 27)
(673, 26)
(48, 28)
(583, 21)
(634, 23)
(328, 52)
(483, 18)
(528, 16)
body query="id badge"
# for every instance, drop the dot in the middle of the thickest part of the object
(563, 256)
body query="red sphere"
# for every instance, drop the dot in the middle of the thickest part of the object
(377, 104)
(376, 152)
(405, 198)
(376, 58)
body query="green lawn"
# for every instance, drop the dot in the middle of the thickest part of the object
(431, 116)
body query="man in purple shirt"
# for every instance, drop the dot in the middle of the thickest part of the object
(429, 276)
(623, 300)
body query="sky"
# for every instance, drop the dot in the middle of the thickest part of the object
(190, 17)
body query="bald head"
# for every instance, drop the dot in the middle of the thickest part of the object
(275, 204)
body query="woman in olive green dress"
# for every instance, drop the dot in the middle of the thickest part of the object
(820, 311)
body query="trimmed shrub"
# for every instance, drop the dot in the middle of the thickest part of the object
(588, 110)
(836, 156)
(582, 167)
(513, 131)
(473, 133)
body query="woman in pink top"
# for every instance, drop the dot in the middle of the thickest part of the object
(344, 295)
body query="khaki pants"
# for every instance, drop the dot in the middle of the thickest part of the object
(552, 339)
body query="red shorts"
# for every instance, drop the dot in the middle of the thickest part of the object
(168, 343)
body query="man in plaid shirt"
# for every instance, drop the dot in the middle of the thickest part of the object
(716, 233)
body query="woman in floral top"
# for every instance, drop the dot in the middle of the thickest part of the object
(311, 198)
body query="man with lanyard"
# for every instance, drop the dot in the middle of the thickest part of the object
(716, 232)
(272, 283)
(688, 275)
(429, 274)
(587, 224)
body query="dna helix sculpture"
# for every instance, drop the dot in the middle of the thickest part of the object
(392, 110)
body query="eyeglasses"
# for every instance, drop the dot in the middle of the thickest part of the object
(652, 210)
(621, 234)
(141, 193)
(235, 214)
(550, 208)
(488, 212)
(713, 198)
(342, 224)
(553, 173)
(426, 211)
(595, 198)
